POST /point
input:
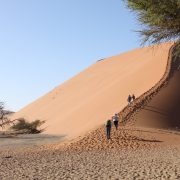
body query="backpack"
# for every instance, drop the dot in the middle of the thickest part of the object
(108, 123)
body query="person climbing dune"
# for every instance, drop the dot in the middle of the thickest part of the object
(129, 99)
(115, 120)
(133, 97)
(108, 129)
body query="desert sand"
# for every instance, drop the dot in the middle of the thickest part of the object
(145, 146)
(85, 102)
(130, 154)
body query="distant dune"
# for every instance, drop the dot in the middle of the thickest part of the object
(87, 100)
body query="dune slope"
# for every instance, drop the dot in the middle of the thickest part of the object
(163, 111)
(88, 99)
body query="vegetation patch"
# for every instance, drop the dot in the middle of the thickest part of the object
(26, 127)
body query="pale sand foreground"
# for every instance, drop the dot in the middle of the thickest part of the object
(112, 164)
(130, 154)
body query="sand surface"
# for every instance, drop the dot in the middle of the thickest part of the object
(130, 154)
(88, 99)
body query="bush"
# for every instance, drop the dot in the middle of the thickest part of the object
(28, 127)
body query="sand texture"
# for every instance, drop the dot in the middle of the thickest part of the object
(130, 154)
(88, 99)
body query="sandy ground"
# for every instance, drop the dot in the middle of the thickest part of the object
(130, 154)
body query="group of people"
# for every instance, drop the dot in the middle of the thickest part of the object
(131, 98)
(115, 119)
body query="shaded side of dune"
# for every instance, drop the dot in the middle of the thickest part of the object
(163, 110)
(128, 112)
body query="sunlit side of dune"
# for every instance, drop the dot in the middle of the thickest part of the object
(94, 95)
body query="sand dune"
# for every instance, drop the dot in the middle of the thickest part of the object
(88, 99)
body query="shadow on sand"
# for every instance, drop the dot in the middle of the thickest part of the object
(145, 140)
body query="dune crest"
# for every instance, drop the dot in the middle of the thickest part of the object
(88, 99)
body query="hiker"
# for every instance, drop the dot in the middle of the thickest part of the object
(115, 120)
(133, 97)
(108, 129)
(129, 99)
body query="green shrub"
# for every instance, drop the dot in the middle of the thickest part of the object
(28, 127)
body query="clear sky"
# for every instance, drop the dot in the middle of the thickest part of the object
(45, 42)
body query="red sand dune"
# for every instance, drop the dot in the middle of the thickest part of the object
(88, 99)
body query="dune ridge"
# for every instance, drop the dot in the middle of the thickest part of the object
(141, 101)
(162, 110)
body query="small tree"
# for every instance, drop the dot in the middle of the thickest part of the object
(28, 127)
(4, 120)
(160, 20)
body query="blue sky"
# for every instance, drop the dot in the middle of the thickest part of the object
(45, 42)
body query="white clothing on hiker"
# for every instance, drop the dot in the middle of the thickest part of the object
(115, 118)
